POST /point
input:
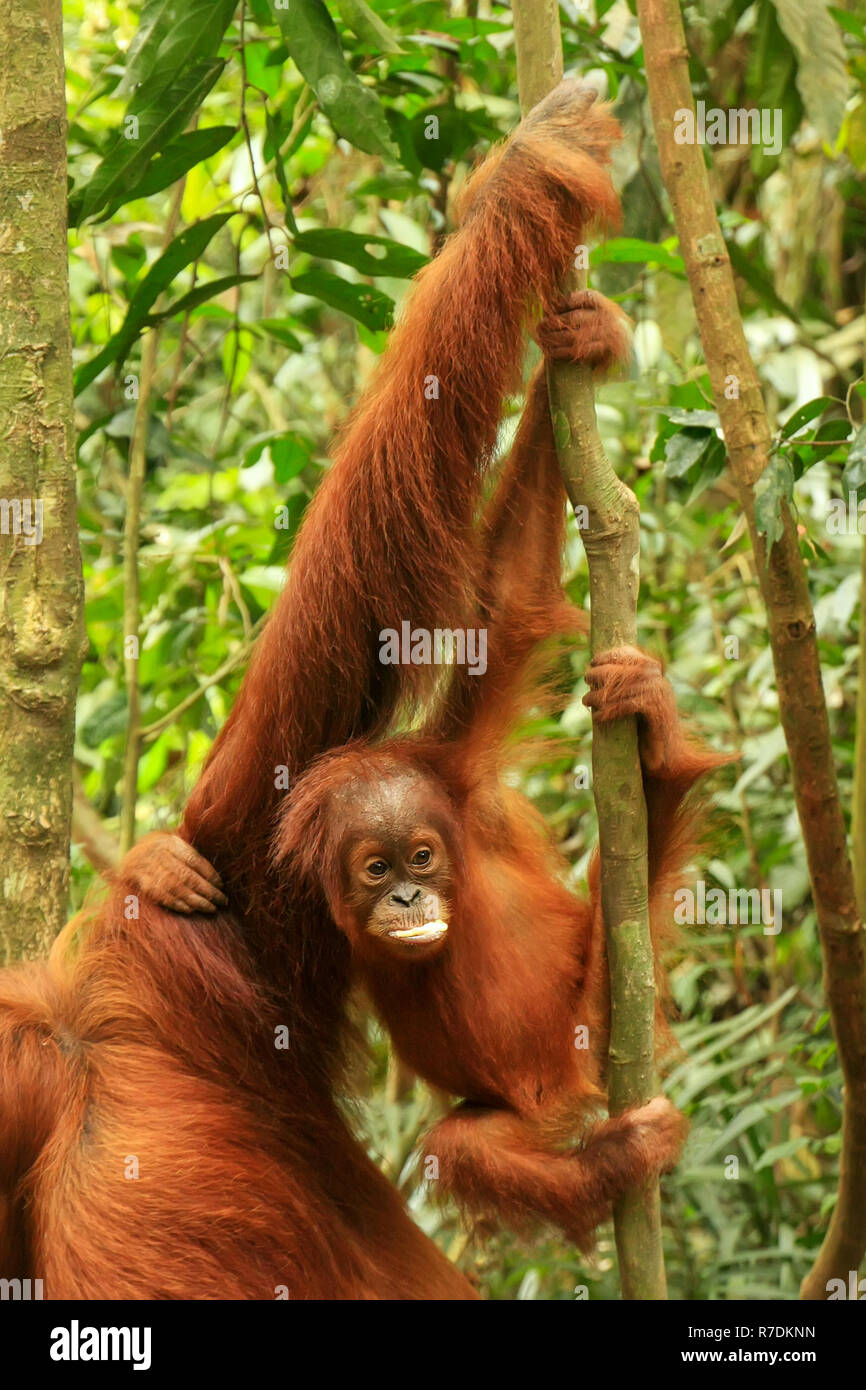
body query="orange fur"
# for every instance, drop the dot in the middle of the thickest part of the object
(492, 1015)
(152, 1040)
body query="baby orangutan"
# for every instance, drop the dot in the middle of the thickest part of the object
(488, 972)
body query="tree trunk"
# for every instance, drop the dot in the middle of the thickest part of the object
(41, 601)
(791, 620)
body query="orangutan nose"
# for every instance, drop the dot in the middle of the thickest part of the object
(405, 896)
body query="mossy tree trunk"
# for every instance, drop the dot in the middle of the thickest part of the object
(41, 597)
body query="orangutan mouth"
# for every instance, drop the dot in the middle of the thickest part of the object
(423, 934)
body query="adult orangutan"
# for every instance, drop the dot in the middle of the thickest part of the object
(157, 1139)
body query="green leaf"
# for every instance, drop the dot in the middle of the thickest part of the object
(396, 186)
(106, 719)
(825, 442)
(684, 449)
(372, 255)
(707, 1041)
(290, 453)
(695, 419)
(771, 71)
(807, 412)
(747, 1116)
(274, 129)
(466, 27)
(129, 259)
(849, 22)
(260, 71)
(145, 130)
(353, 109)
(154, 760)
(853, 138)
(186, 248)
(790, 1148)
(283, 330)
(376, 341)
(208, 289)
(774, 487)
(626, 249)
(370, 307)
(157, 19)
(822, 72)
(711, 464)
(365, 24)
(173, 47)
(439, 134)
(854, 475)
(169, 165)
(171, 35)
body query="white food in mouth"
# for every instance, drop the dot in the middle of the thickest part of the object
(428, 931)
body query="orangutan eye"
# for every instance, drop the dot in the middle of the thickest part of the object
(421, 858)
(377, 868)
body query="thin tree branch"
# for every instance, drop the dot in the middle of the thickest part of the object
(858, 819)
(612, 548)
(791, 620)
(131, 576)
(132, 587)
(858, 824)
